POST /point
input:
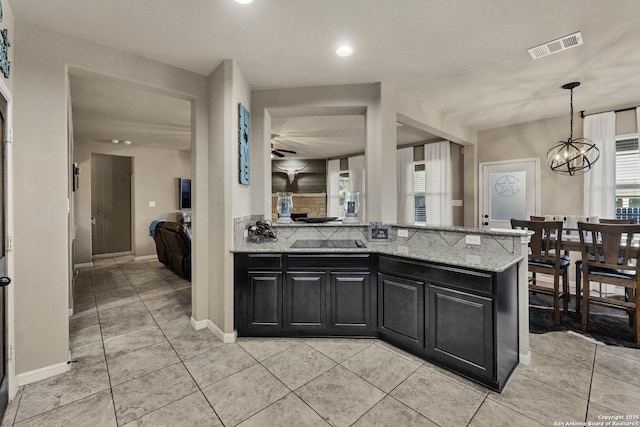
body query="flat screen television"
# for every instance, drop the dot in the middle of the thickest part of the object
(185, 193)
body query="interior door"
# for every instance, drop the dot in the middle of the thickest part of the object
(4, 280)
(110, 204)
(508, 189)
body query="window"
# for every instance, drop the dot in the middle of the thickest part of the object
(627, 177)
(419, 192)
(343, 186)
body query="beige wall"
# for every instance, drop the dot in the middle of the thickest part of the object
(626, 122)
(155, 179)
(229, 199)
(380, 104)
(43, 58)
(558, 194)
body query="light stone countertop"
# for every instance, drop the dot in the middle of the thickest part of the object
(467, 257)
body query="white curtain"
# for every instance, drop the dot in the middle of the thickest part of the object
(405, 186)
(333, 187)
(600, 181)
(357, 181)
(439, 191)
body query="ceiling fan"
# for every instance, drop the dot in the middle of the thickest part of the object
(278, 151)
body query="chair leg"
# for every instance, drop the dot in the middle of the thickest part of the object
(585, 303)
(629, 295)
(556, 299)
(565, 289)
(578, 283)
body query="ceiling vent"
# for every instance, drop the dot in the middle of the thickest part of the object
(563, 43)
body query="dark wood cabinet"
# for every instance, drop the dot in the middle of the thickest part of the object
(304, 295)
(401, 310)
(265, 300)
(462, 319)
(460, 331)
(350, 301)
(305, 300)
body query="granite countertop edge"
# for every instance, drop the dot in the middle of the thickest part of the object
(489, 261)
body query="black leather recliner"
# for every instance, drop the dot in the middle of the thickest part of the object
(173, 244)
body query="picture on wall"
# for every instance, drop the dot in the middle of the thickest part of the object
(244, 139)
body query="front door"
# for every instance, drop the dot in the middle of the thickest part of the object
(4, 281)
(508, 189)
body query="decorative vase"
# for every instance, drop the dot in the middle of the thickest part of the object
(351, 207)
(284, 206)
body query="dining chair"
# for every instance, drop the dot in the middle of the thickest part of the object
(609, 256)
(579, 262)
(545, 257)
(536, 218)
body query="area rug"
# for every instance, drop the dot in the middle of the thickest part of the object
(606, 325)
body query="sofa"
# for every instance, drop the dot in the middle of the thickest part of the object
(173, 245)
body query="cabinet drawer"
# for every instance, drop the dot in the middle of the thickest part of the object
(265, 262)
(329, 261)
(476, 281)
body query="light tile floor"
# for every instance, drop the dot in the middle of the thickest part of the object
(138, 362)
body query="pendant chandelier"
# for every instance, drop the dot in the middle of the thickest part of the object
(573, 156)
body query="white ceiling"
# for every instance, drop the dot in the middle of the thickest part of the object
(323, 137)
(466, 59)
(104, 110)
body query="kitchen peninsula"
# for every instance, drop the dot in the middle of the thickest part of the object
(452, 296)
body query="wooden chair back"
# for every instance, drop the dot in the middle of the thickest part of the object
(536, 218)
(609, 246)
(545, 242)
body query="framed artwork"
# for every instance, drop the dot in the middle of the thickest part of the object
(244, 140)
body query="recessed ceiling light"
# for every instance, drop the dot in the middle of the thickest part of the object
(344, 51)
(243, 1)
(126, 142)
(114, 141)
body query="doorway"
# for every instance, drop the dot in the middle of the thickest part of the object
(111, 219)
(509, 189)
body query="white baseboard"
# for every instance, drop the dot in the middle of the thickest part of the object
(83, 265)
(42, 373)
(112, 255)
(70, 312)
(222, 336)
(525, 359)
(144, 257)
(199, 324)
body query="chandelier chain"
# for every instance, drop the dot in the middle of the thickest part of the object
(571, 128)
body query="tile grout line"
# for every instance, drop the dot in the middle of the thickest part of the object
(593, 370)
(104, 350)
(170, 344)
(82, 398)
(477, 410)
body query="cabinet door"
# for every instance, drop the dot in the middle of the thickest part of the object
(265, 300)
(401, 310)
(305, 300)
(460, 332)
(349, 295)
